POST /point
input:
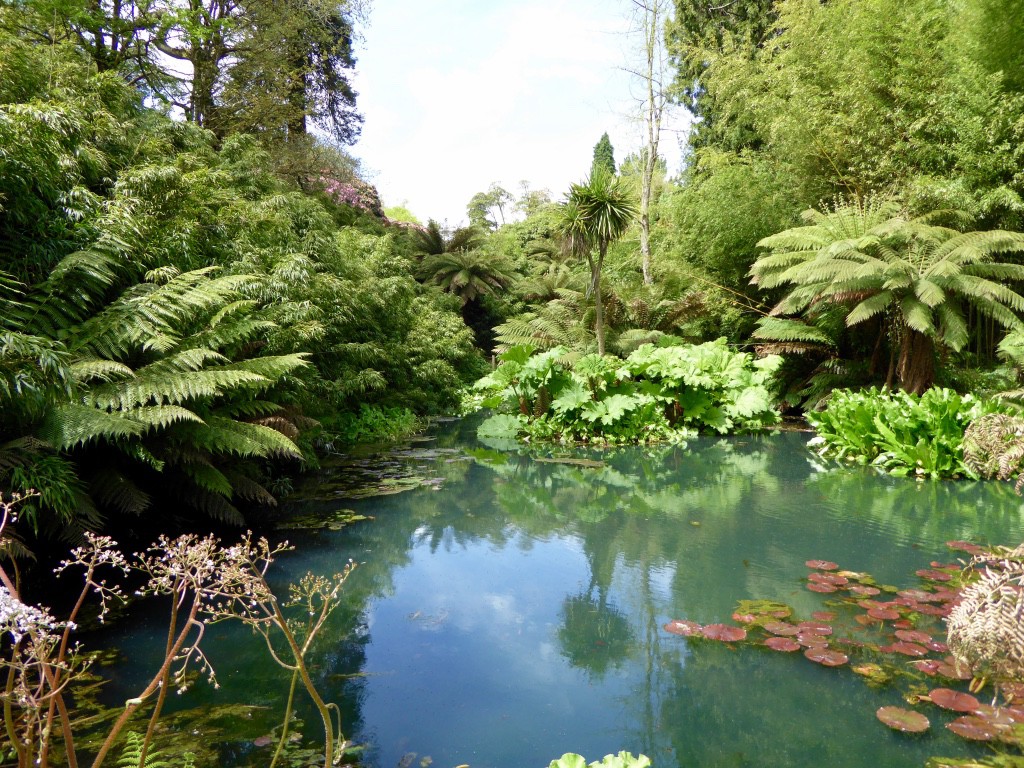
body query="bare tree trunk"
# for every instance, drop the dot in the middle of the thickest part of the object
(652, 24)
(598, 300)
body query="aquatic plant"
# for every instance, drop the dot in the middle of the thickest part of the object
(621, 760)
(886, 635)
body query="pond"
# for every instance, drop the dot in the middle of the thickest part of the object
(510, 608)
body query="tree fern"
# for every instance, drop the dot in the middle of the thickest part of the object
(914, 275)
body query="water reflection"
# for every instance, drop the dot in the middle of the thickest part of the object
(515, 613)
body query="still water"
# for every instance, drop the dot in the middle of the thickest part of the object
(510, 609)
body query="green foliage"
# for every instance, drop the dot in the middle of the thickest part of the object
(174, 308)
(913, 278)
(131, 755)
(621, 760)
(372, 424)
(657, 393)
(604, 157)
(902, 433)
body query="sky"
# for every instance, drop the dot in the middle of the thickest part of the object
(459, 94)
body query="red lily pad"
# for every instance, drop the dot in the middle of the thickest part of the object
(951, 671)
(864, 589)
(782, 644)
(965, 546)
(913, 636)
(864, 620)
(936, 645)
(929, 666)
(822, 565)
(828, 578)
(781, 628)
(885, 614)
(817, 627)
(903, 624)
(920, 596)
(810, 639)
(905, 720)
(974, 728)
(826, 656)
(957, 701)
(724, 632)
(817, 586)
(683, 627)
(933, 575)
(823, 615)
(908, 649)
(744, 618)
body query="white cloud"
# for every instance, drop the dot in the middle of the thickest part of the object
(460, 94)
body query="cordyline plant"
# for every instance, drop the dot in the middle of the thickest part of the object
(207, 583)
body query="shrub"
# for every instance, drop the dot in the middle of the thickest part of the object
(657, 393)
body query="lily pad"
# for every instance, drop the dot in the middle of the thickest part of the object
(863, 589)
(907, 649)
(885, 614)
(826, 656)
(829, 578)
(822, 565)
(683, 627)
(823, 615)
(817, 627)
(781, 628)
(933, 575)
(817, 586)
(957, 701)
(900, 719)
(782, 644)
(724, 632)
(913, 636)
(974, 728)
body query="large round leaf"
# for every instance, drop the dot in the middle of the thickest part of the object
(905, 720)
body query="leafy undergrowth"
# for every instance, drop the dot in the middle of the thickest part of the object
(888, 636)
(658, 393)
(904, 434)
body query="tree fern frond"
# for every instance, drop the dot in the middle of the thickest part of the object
(250, 490)
(71, 425)
(172, 388)
(96, 369)
(870, 307)
(224, 435)
(111, 488)
(207, 477)
(779, 329)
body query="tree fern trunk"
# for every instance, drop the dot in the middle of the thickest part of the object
(916, 366)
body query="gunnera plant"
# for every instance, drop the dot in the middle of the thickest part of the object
(993, 447)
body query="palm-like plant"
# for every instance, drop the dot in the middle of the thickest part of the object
(595, 213)
(434, 240)
(915, 276)
(467, 274)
